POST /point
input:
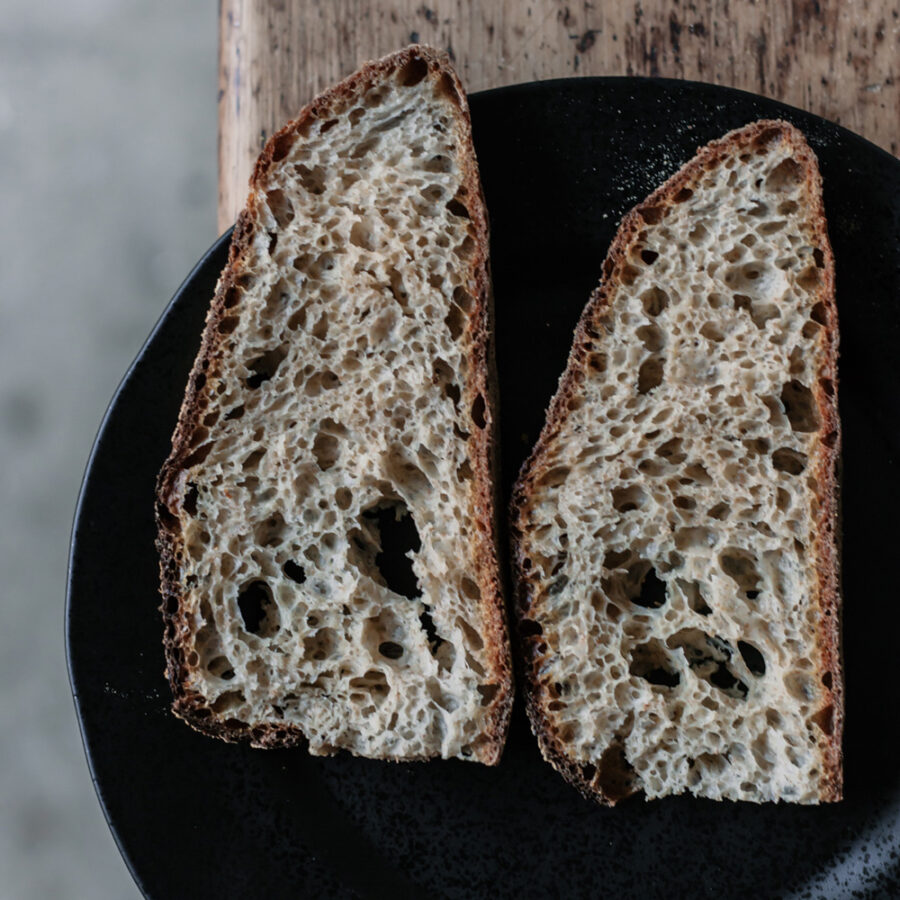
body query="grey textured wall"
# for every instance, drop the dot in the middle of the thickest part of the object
(107, 194)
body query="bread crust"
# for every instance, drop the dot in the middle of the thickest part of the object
(824, 462)
(190, 434)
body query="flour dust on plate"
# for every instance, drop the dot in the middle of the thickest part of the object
(560, 162)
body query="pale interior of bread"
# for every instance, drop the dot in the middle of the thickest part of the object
(669, 538)
(329, 517)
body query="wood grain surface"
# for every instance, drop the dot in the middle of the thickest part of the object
(836, 58)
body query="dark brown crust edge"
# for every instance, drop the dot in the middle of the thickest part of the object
(190, 434)
(825, 458)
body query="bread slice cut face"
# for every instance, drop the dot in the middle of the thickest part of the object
(673, 531)
(326, 517)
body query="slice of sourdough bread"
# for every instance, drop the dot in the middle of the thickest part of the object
(673, 531)
(326, 518)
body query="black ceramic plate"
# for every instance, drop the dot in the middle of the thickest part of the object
(561, 162)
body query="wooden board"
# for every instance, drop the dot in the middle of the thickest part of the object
(836, 58)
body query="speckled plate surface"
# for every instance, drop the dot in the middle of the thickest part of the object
(561, 161)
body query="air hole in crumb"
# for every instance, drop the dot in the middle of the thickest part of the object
(473, 638)
(671, 451)
(257, 608)
(198, 455)
(465, 249)
(694, 597)
(457, 208)
(818, 314)
(387, 536)
(320, 329)
(785, 177)
(413, 72)
(771, 227)
(269, 532)
(768, 136)
(313, 180)
(651, 214)
(320, 644)
(530, 628)
(430, 629)
(652, 591)
(651, 336)
(488, 692)
(227, 702)
(799, 685)
(265, 366)
(758, 446)
(740, 566)
(824, 719)
(791, 461)
(809, 279)
(628, 498)
(649, 256)
(615, 559)
(281, 145)
(462, 298)
(390, 650)
(712, 332)
(628, 275)
(252, 460)
(654, 300)
(455, 321)
(470, 589)
(439, 163)
(361, 236)
(432, 193)
(683, 195)
(651, 662)
(326, 450)
(294, 572)
(800, 406)
(220, 667)
(281, 207)
(697, 472)
(760, 313)
(758, 210)
(709, 658)
(697, 234)
(189, 503)
(753, 659)
(650, 374)
(719, 511)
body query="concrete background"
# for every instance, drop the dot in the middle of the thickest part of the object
(107, 193)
